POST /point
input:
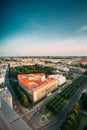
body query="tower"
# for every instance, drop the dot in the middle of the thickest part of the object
(17, 56)
(28, 58)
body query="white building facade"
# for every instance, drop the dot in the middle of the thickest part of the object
(61, 79)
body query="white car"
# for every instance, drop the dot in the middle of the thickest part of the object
(49, 94)
(59, 91)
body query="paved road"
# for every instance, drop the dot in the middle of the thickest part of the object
(55, 125)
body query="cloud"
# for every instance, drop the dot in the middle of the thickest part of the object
(81, 29)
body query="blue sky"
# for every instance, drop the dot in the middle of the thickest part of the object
(43, 27)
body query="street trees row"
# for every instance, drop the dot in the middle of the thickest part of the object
(85, 73)
(71, 89)
(83, 101)
(73, 120)
(85, 128)
(20, 94)
(56, 104)
(81, 65)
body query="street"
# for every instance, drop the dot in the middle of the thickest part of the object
(55, 125)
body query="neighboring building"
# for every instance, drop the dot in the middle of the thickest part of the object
(2, 76)
(6, 95)
(61, 79)
(63, 68)
(1, 80)
(37, 85)
(76, 70)
(4, 92)
(3, 68)
(10, 120)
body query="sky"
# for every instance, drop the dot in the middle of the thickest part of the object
(43, 27)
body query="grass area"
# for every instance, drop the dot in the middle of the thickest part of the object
(51, 117)
(45, 111)
(83, 122)
(50, 112)
(62, 84)
(71, 89)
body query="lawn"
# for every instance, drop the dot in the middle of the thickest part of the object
(83, 122)
(49, 114)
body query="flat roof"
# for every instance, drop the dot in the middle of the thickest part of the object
(57, 76)
(30, 82)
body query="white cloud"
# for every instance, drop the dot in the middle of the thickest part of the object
(81, 29)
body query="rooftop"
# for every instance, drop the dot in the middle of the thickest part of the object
(56, 76)
(34, 81)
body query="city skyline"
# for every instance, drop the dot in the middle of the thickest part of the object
(43, 27)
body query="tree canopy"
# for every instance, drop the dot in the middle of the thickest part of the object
(83, 101)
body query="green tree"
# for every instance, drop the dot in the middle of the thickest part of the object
(83, 101)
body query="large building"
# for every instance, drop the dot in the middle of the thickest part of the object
(3, 68)
(62, 68)
(37, 85)
(61, 79)
(80, 61)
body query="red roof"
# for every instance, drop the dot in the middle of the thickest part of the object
(31, 82)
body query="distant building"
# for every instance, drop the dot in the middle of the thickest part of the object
(37, 85)
(61, 79)
(69, 62)
(61, 68)
(76, 70)
(83, 61)
(80, 61)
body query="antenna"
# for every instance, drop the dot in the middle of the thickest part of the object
(27, 57)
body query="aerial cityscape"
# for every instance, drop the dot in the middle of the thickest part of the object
(43, 65)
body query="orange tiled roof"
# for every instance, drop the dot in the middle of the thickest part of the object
(30, 82)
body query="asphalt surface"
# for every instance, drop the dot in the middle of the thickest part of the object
(55, 125)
